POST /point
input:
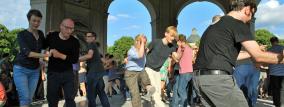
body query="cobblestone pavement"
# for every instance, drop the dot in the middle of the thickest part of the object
(118, 101)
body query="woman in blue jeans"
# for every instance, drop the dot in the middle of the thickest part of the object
(27, 67)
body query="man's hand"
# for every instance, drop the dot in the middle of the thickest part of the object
(57, 54)
(281, 57)
(47, 54)
(263, 47)
(43, 77)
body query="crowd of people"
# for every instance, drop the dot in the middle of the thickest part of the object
(229, 69)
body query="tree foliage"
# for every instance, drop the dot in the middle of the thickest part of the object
(8, 41)
(120, 47)
(263, 36)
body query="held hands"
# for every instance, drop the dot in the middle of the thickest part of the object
(281, 57)
(57, 54)
(44, 55)
(47, 54)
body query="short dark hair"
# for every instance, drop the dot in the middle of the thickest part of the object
(35, 13)
(181, 37)
(274, 39)
(93, 33)
(237, 5)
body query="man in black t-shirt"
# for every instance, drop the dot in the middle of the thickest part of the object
(95, 72)
(64, 49)
(219, 49)
(159, 51)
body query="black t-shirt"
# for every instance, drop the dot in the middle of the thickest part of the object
(158, 53)
(69, 47)
(95, 64)
(28, 43)
(221, 44)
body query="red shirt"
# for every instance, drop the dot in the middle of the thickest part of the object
(186, 60)
(2, 93)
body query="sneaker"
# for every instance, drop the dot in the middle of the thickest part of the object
(165, 100)
(118, 92)
(150, 92)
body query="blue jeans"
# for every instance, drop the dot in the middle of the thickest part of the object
(247, 78)
(96, 86)
(180, 90)
(26, 82)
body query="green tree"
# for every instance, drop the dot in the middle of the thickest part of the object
(4, 42)
(281, 42)
(110, 49)
(14, 46)
(8, 42)
(120, 47)
(263, 36)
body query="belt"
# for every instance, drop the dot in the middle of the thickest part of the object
(212, 72)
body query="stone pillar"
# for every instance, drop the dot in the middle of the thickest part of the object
(54, 15)
(41, 6)
(165, 16)
(99, 25)
(159, 26)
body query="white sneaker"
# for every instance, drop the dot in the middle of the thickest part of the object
(150, 92)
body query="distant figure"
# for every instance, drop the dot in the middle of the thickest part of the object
(215, 19)
(276, 75)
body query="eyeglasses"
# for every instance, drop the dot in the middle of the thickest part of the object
(89, 36)
(67, 27)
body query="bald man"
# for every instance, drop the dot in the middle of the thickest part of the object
(65, 52)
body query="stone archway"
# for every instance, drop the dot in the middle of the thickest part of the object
(216, 2)
(92, 14)
(89, 15)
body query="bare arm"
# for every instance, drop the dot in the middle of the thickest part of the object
(141, 50)
(37, 55)
(177, 55)
(88, 56)
(260, 56)
(57, 54)
(243, 55)
(10, 87)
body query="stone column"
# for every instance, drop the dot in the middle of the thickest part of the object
(54, 14)
(166, 16)
(159, 26)
(99, 25)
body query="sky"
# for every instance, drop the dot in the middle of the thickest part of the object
(130, 17)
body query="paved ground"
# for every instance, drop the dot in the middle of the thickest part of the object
(117, 101)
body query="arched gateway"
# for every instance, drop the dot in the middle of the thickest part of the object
(93, 14)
